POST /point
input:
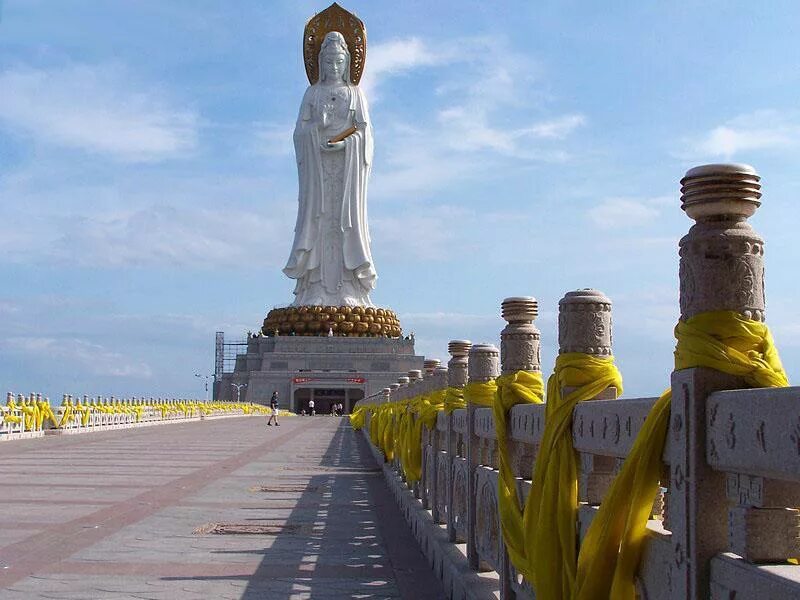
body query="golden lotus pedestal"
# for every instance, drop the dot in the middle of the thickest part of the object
(342, 321)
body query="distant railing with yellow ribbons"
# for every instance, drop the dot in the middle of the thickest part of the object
(33, 414)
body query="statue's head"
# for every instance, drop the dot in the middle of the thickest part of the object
(334, 58)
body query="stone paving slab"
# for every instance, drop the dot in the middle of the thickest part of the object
(131, 514)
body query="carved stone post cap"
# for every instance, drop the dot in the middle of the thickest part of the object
(584, 323)
(720, 190)
(430, 364)
(519, 309)
(414, 375)
(386, 390)
(440, 370)
(403, 380)
(584, 296)
(394, 386)
(459, 347)
(484, 362)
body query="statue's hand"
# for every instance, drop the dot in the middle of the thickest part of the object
(332, 147)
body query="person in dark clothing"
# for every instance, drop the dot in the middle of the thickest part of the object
(273, 404)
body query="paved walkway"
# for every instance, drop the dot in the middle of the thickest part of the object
(223, 509)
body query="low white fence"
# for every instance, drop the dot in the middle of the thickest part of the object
(32, 415)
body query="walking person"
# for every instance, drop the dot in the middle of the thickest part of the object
(273, 404)
(311, 407)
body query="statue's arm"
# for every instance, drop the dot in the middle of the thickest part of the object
(364, 124)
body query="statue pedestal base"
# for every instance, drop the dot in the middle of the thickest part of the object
(341, 321)
(328, 370)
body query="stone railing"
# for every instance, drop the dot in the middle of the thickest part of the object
(32, 415)
(726, 522)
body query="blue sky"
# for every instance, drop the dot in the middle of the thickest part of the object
(148, 187)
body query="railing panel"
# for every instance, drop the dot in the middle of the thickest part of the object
(459, 506)
(527, 423)
(756, 432)
(483, 421)
(609, 427)
(487, 519)
(460, 420)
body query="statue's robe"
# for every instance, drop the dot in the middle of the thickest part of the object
(307, 251)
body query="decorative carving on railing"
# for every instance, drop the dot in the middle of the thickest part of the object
(440, 506)
(459, 503)
(487, 519)
(584, 323)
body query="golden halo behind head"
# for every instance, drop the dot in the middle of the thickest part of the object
(335, 18)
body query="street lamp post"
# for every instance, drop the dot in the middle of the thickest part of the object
(206, 378)
(238, 387)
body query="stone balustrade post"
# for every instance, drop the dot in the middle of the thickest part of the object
(402, 382)
(520, 339)
(431, 383)
(584, 326)
(519, 351)
(457, 376)
(435, 436)
(403, 394)
(417, 388)
(484, 365)
(721, 268)
(429, 366)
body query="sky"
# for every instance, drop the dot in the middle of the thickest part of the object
(148, 187)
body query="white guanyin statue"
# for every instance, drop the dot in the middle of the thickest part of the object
(331, 258)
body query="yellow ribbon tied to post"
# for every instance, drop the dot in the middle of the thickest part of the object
(610, 554)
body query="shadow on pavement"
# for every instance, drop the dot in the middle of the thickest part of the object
(345, 538)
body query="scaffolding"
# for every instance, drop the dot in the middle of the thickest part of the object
(225, 354)
(219, 356)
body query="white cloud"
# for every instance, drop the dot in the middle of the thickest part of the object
(165, 235)
(427, 235)
(395, 57)
(97, 109)
(759, 130)
(487, 112)
(87, 356)
(151, 236)
(8, 308)
(274, 139)
(557, 128)
(619, 213)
